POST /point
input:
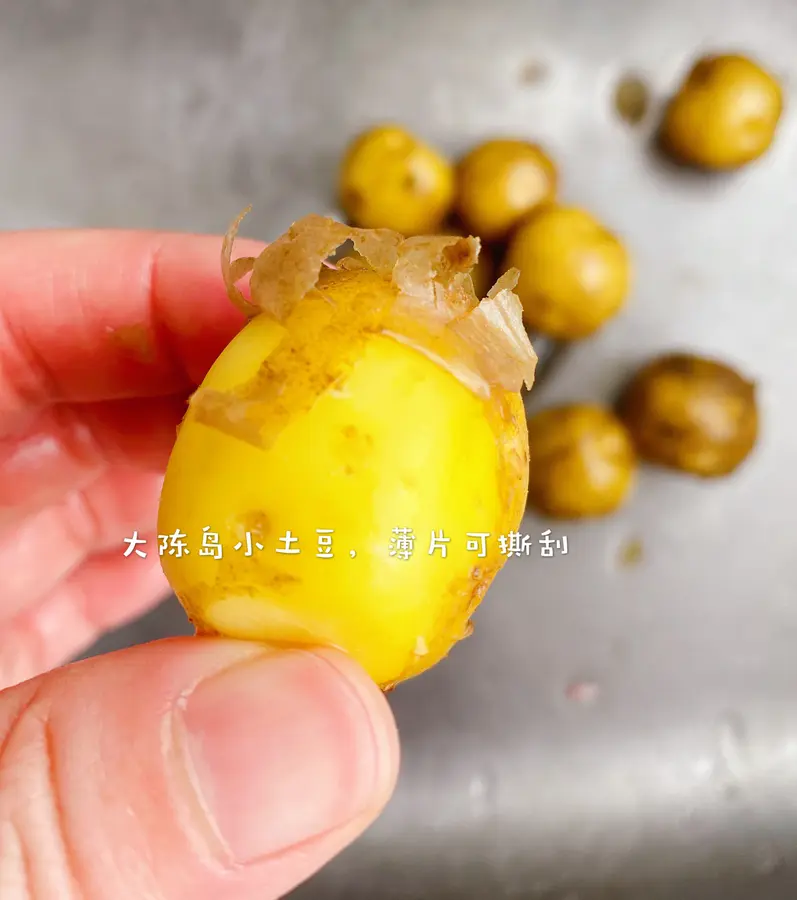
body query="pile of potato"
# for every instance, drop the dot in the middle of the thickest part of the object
(686, 412)
(301, 430)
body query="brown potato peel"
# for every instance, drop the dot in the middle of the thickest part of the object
(434, 309)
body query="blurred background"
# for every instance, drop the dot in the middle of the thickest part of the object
(622, 724)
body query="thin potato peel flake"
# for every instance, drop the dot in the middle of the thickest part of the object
(227, 414)
(233, 272)
(495, 330)
(289, 267)
(479, 342)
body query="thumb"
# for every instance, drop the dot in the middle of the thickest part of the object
(190, 768)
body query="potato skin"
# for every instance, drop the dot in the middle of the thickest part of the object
(581, 459)
(389, 178)
(575, 274)
(483, 273)
(381, 448)
(501, 181)
(724, 115)
(691, 413)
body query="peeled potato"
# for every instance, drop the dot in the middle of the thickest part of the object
(345, 404)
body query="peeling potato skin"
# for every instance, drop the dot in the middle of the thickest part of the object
(691, 413)
(483, 273)
(380, 447)
(724, 115)
(582, 462)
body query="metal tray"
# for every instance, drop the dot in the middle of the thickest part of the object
(610, 731)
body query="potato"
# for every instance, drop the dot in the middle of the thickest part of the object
(575, 274)
(501, 181)
(582, 461)
(691, 413)
(389, 178)
(724, 115)
(345, 404)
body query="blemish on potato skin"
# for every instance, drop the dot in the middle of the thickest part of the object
(477, 590)
(477, 594)
(361, 439)
(135, 339)
(283, 579)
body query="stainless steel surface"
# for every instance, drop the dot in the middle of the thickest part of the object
(672, 771)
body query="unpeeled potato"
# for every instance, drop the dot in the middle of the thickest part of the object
(725, 114)
(691, 413)
(583, 462)
(344, 409)
(575, 274)
(390, 178)
(501, 181)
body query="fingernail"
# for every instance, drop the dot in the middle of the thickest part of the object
(283, 748)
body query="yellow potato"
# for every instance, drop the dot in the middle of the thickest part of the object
(575, 274)
(501, 181)
(691, 413)
(338, 414)
(391, 179)
(724, 115)
(582, 461)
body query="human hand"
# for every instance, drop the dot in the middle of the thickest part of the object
(188, 768)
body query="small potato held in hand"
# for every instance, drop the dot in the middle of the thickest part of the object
(501, 181)
(691, 413)
(724, 115)
(344, 405)
(391, 179)
(582, 461)
(575, 275)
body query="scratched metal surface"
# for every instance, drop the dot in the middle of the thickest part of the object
(678, 779)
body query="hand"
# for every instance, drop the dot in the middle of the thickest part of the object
(187, 768)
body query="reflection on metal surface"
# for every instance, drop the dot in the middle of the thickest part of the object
(680, 781)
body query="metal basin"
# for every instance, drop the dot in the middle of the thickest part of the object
(610, 731)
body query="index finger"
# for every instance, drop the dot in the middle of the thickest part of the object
(97, 315)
